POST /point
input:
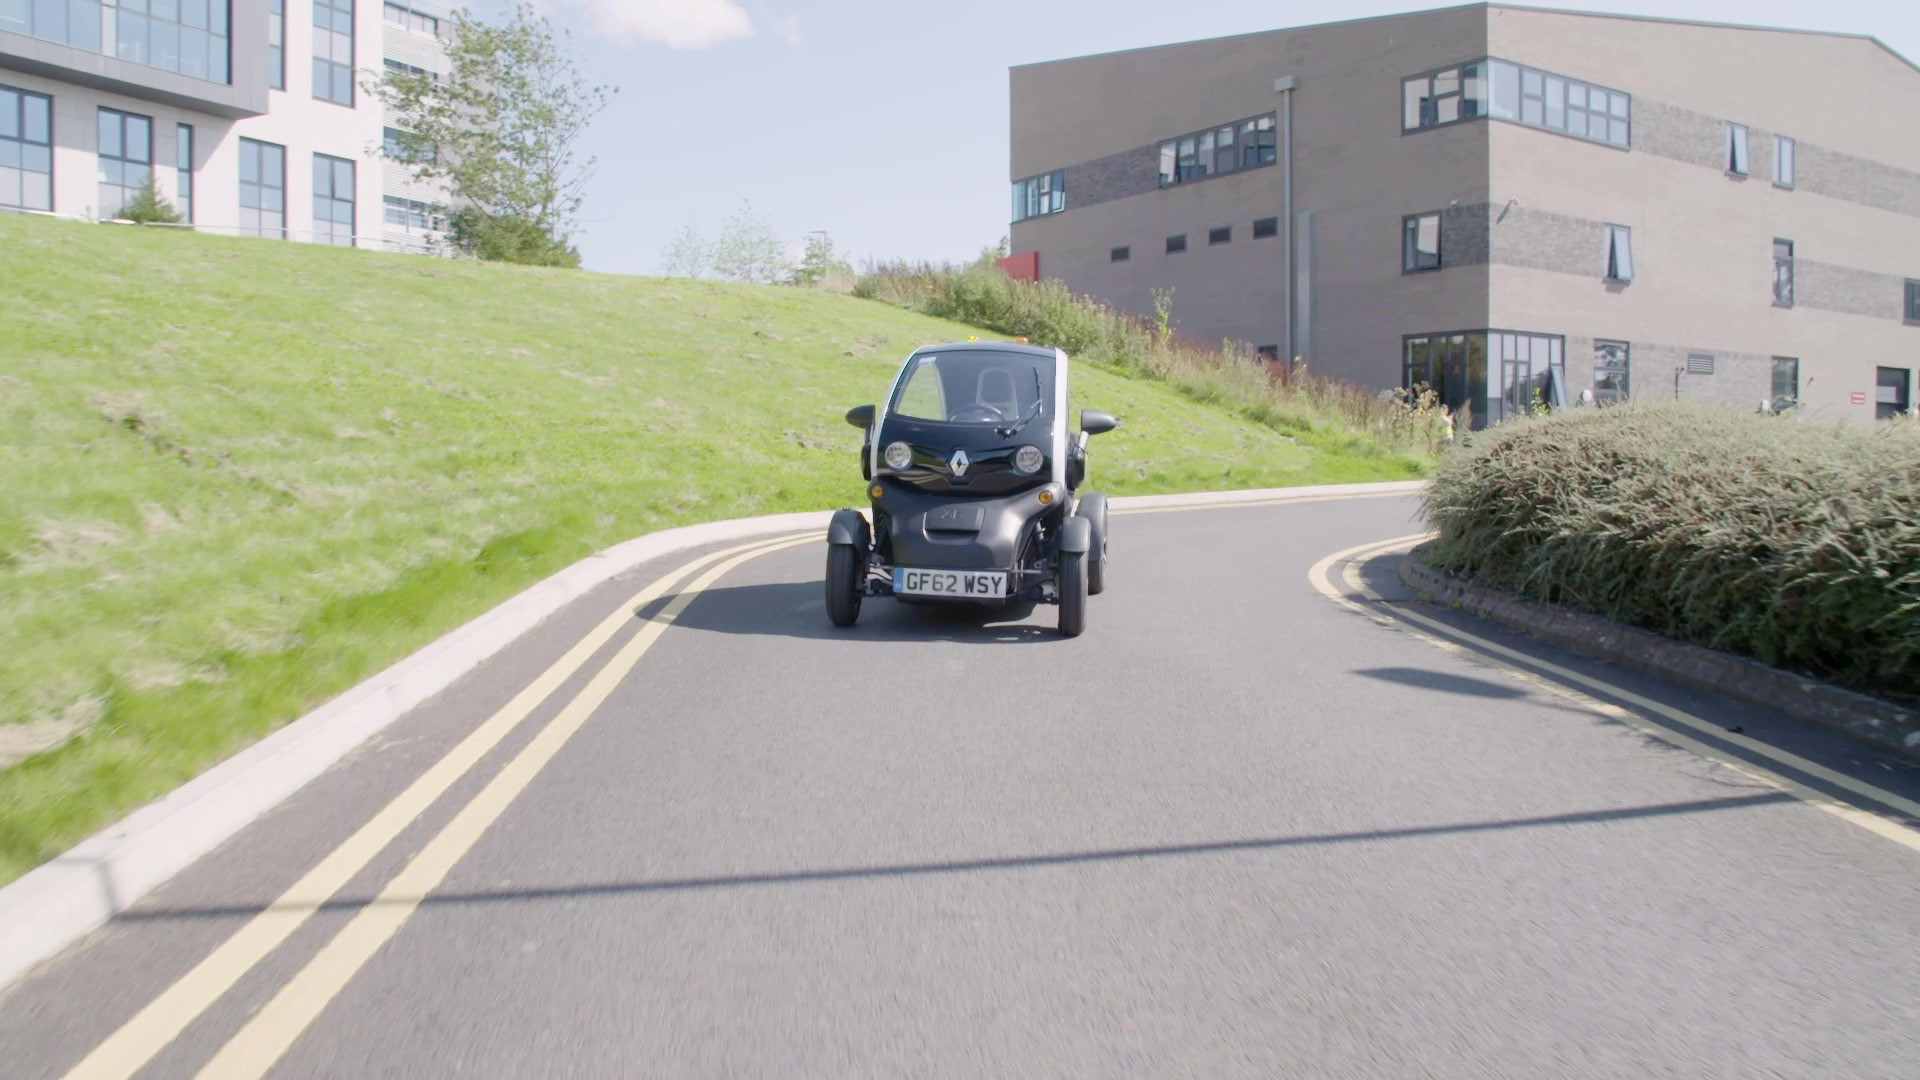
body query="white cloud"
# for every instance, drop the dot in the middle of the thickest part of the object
(677, 24)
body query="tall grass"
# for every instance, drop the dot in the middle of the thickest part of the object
(1794, 543)
(1287, 397)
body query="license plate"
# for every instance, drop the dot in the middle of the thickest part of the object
(959, 584)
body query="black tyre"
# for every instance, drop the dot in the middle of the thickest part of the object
(1093, 507)
(846, 583)
(1073, 594)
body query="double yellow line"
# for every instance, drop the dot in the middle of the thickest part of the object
(271, 1031)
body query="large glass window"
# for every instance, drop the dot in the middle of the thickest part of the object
(1533, 375)
(26, 149)
(1243, 144)
(277, 45)
(411, 214)
(333, 51)
(1612, 372)
(1528, 372)
(978, 386)
(1783, 273)
(1619, 253)
(183, 164)
(184, 36)
(1504, 90)
(263, 188)
(125, 159)
(332, 201)
(1420, 243)
(1037, 196)
(1786, 383)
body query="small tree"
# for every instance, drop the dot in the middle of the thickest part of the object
(749, 251)
(688, 255)
(148, 208)
(501, 129)
(821, 266)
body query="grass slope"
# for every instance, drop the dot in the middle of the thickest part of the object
(241, 476)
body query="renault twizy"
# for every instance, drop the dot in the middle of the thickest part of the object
(975, 486)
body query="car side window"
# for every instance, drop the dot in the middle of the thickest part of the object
(924, 397)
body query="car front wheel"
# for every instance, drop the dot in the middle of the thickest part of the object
(1073, 594)
(846, 576)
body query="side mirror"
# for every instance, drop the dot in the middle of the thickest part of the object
(860, 416)
(1094, 422)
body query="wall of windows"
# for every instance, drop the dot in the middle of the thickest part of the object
(189, 37)
(1040, 195)
(26, 150)
(1229, 148)
(411, 214)
(125, 159)
(408, 19)
(1528, 371)
(183, 164)
(263, 189)
(333, 51)
(332, 201)
(1507, 91)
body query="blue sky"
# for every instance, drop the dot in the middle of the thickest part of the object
(884, 122)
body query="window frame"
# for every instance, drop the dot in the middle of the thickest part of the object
(1219, 235)
(1123, 253)
(1177, 244)
(20, 138)
(1739, 150)
(1410, 262)
(1785, 150)
(1619, 243)
(277, 51)
(1040, 195)
(127, 31)
(1202, 150)
(1488, 81)
(183, 168)
(331, 195)
(1492, 374)
(351, 10)
(1266, 228)
(262, 187)
(1786, 263)
(1912, 306)
(122, 118)
(1775, 396)
(1623, 369)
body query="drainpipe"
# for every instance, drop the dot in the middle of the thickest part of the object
(1285, 86)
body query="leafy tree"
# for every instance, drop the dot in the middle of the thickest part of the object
(502, 130)
(821, 265)
(148, 208)
(749, 251)
(688, 255)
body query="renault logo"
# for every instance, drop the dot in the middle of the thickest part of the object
(959, 463)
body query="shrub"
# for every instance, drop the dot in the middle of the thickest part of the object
(1792, 542)
(148, 208)
(509, 239)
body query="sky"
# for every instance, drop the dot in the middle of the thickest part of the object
(884, 122)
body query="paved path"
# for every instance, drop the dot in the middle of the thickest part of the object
(1239, 828)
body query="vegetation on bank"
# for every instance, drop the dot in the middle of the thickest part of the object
(1795, 543)
(241, 476)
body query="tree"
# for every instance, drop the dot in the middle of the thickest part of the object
(148, 208)
(821, 266)
(748, 250)
(687, 256)
(501, 129)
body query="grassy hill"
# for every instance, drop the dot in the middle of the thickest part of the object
(241, 475)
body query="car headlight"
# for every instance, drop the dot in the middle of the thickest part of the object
(899, 455)
(1028, 459)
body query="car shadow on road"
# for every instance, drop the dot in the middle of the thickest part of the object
(1421, 679)
(797, 609)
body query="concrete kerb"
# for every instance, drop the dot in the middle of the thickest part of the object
(60, 902)
(1867, 718)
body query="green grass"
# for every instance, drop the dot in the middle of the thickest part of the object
(242, 476)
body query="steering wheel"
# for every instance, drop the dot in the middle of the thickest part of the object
(978, 414)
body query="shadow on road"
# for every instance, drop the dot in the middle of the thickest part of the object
(590, 890)
(798, 609)
(1438, 680)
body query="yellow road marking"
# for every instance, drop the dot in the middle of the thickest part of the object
(258, 1045)
(149, 1031)
(1518, 664)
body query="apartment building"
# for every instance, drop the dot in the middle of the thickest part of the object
(250, 116)
(1511, 205)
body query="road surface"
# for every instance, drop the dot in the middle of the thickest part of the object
(1258, 821)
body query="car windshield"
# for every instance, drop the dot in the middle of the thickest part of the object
(977, 386)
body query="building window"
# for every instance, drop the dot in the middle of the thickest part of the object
(1528, 372)
(277, 45)
(183, 164)
(1176, 244)
(263, 189)
(1612, 372)
(1699, 363)
(1120, 254)
(1783, 273)
(1533, 374)
(1040, 195)
(26, 149)
(332, 201)
(411, 214)
(1737, 149)
(333, 51)
(1266, 227)
(1228, 148)
(407, 19)
(395, 67)
(1892, 392)
(1782, 161)
(1619, 253)
(188, 37)
(1269, 353)
(405, 147)
(1507, 91)
(1913, 300)
(1786, 383)
(1420, 243)
(1220, 236)
(126, 159)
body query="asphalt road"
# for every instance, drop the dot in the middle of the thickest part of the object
(1238, 828)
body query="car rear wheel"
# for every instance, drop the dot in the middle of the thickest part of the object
(1073, 594)
(846, 573)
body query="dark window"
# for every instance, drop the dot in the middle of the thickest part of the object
(1786, 383)
(1220, 236)
(1176, 244)
(126, 159)
(183, 163)
(1486, 376)
(1120, 254)
(1266, 227)
(1783, 273)
(1913, 301)
(1420, 244)
(333, 51)
(1619, 253)
(26, 149)
(1612, 371)
(1269, 353)
(1893, 393)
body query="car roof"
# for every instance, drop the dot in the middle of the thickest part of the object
(987, 346)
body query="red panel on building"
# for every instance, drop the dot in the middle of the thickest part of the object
(1024, 266)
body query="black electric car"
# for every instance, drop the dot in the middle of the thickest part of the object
(975, 485)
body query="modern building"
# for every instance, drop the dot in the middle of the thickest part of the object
(250, 116)
(1509, 204)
